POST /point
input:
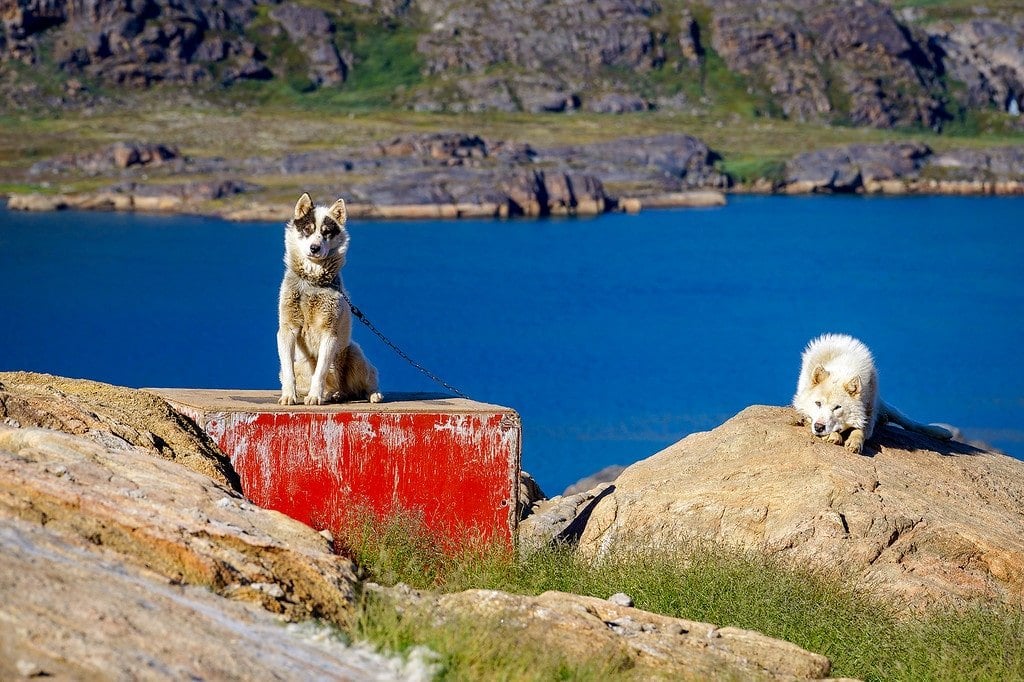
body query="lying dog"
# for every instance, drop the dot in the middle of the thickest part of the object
(314, 334)
(837, 392)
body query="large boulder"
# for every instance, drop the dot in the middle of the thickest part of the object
(916, 520)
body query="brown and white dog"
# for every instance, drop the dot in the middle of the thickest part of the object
(314, 334)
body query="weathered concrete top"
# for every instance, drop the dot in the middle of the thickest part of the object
(238, 400)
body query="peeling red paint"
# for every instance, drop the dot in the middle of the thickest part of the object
(453, 461)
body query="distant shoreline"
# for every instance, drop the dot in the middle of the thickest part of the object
(263, 211)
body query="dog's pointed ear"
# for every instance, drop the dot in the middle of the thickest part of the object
(338, 212)
(854, 387)
(303, 206)
(818, 375)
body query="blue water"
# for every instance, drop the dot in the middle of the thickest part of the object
(613, 337)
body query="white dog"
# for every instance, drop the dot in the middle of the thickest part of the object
(314, 335)
(837, 392)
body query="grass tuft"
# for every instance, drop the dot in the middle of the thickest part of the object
(470, 650)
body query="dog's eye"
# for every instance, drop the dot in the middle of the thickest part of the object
(837, 408)
(329, 228)
(817, 403)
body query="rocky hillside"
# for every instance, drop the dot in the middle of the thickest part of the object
(861, 63)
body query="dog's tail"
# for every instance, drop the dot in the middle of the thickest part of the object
(891, 414)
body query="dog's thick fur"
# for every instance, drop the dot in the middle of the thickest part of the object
(837, 393)
(314, 334)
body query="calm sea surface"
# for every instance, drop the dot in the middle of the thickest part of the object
(613, 337)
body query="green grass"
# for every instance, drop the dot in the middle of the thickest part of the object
(471, 650)
(863, 636)
(747, 169)
(958, 9)
(381, 58)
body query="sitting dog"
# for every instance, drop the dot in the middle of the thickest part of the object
(314, 334)
(837, 392)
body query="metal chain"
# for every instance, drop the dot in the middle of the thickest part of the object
(369, 325)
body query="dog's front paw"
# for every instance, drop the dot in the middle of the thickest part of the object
(314, 399)
(288, 399)
(376, 397)
(835, 438)
(856, 441)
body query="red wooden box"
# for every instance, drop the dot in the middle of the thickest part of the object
(455, 462)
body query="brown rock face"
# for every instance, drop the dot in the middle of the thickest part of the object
(650, 645)
(987, 55)
(174, 522)
(820, 57)
(113, 416)
(74, 611)
(312, 29)
(916, 520)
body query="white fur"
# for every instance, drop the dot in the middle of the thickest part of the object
(837, 392)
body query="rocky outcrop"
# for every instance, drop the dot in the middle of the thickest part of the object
(137, 45)
(664, 163)
(179, 524)
(73, 610)
(458, 174)
(987, 56)
(605, 633)
(118, 156)
(312, 30)
(906, 167)
(112, 416)
(432, 175)
(1000, 164)
(851, 168)
(817, 60)
(559, 520)
(560, 46)
(915, 520)
(165, 198)
(450, 149)
(823, 60)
